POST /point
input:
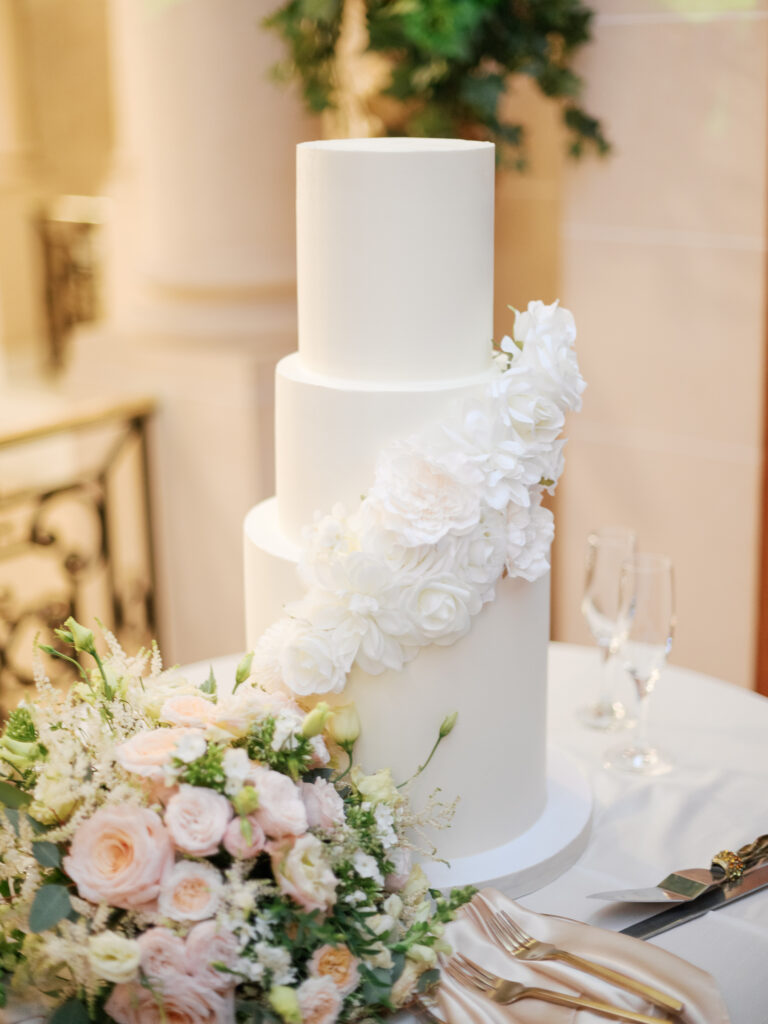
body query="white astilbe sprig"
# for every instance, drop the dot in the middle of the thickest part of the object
(451, 509)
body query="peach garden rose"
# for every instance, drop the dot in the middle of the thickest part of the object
(197, 818)
(208, 944)
(119, 856)
(147, 753)
(162, 952)
(319, 1001)
(185, 1000)
(338, 964)
(190, 891)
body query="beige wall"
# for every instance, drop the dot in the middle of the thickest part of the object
(663, 264)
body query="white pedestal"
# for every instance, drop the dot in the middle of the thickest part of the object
(535, 858)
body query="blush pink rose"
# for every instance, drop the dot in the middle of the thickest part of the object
(320, 755)
(188, 709)
(319, 1001)
(338, 964)
(197, 818)
(302, 872)
(119, 856)
(184, 1000)
(281, 810)
(209, 944)
(148, 752)
(190, 891)
(236, 841)
(324, 806)
(162, 954)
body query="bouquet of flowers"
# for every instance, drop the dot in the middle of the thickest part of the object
(169, 852)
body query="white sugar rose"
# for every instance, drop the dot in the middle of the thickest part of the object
(190, 891)
(546, 334)
(316, 660)
(162, 953)
(419, 500)
(113, 957)
(438, 610)
(302, 872)
(480, 556)
(534, 417)
(529, 538)
(196, 818)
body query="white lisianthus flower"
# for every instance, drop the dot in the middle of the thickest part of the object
(190, 747)
(113, 957)
(366, 867)
(419, 500)
(55, 798)
(237, 768)
(378, 787)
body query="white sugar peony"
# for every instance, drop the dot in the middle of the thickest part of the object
(418, 499)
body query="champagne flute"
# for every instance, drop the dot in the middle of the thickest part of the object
(607, 550)
(647, 592)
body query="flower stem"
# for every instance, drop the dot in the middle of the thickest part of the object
(421, 767)
(348, 752)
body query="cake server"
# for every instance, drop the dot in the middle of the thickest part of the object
(719, 896)
(690, 883)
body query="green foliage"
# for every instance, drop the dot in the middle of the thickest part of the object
(46, 854)
(20, 726)
(50, 905)
(207, 770)
(11, 796)
(292, 758)
(451, 62)
(71, 1012)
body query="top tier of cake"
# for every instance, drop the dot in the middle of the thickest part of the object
(395, 258)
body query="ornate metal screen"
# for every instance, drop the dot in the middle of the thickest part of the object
(75, 534)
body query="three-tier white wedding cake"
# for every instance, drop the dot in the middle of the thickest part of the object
(390, 408)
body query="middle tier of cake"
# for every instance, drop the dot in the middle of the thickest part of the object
(329, 432)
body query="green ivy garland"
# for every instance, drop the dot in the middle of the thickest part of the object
(451, 61)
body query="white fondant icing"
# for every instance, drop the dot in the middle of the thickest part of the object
(395, 258)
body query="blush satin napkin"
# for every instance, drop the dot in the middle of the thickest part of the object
(459, 1005)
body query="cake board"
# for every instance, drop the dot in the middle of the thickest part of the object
(543, 852)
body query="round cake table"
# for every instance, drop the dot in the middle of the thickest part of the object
(644, 828)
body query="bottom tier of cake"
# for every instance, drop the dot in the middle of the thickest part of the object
(494, 761)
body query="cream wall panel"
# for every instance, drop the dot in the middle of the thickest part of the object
(702, 511)
(670, 338)
(685, 104)
(664, 266)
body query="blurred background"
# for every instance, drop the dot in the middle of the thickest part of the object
(147, 283)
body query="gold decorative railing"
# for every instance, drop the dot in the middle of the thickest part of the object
(75, 532)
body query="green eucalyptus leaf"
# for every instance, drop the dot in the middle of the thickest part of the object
(46, 854)
(428, 979)
(12, 796)
(71, 1012)
(50, 905)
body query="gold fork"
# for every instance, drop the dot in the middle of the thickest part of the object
(504, 992)
(511, 937)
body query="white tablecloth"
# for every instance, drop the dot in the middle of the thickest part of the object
(716, 798)
(643, 828)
